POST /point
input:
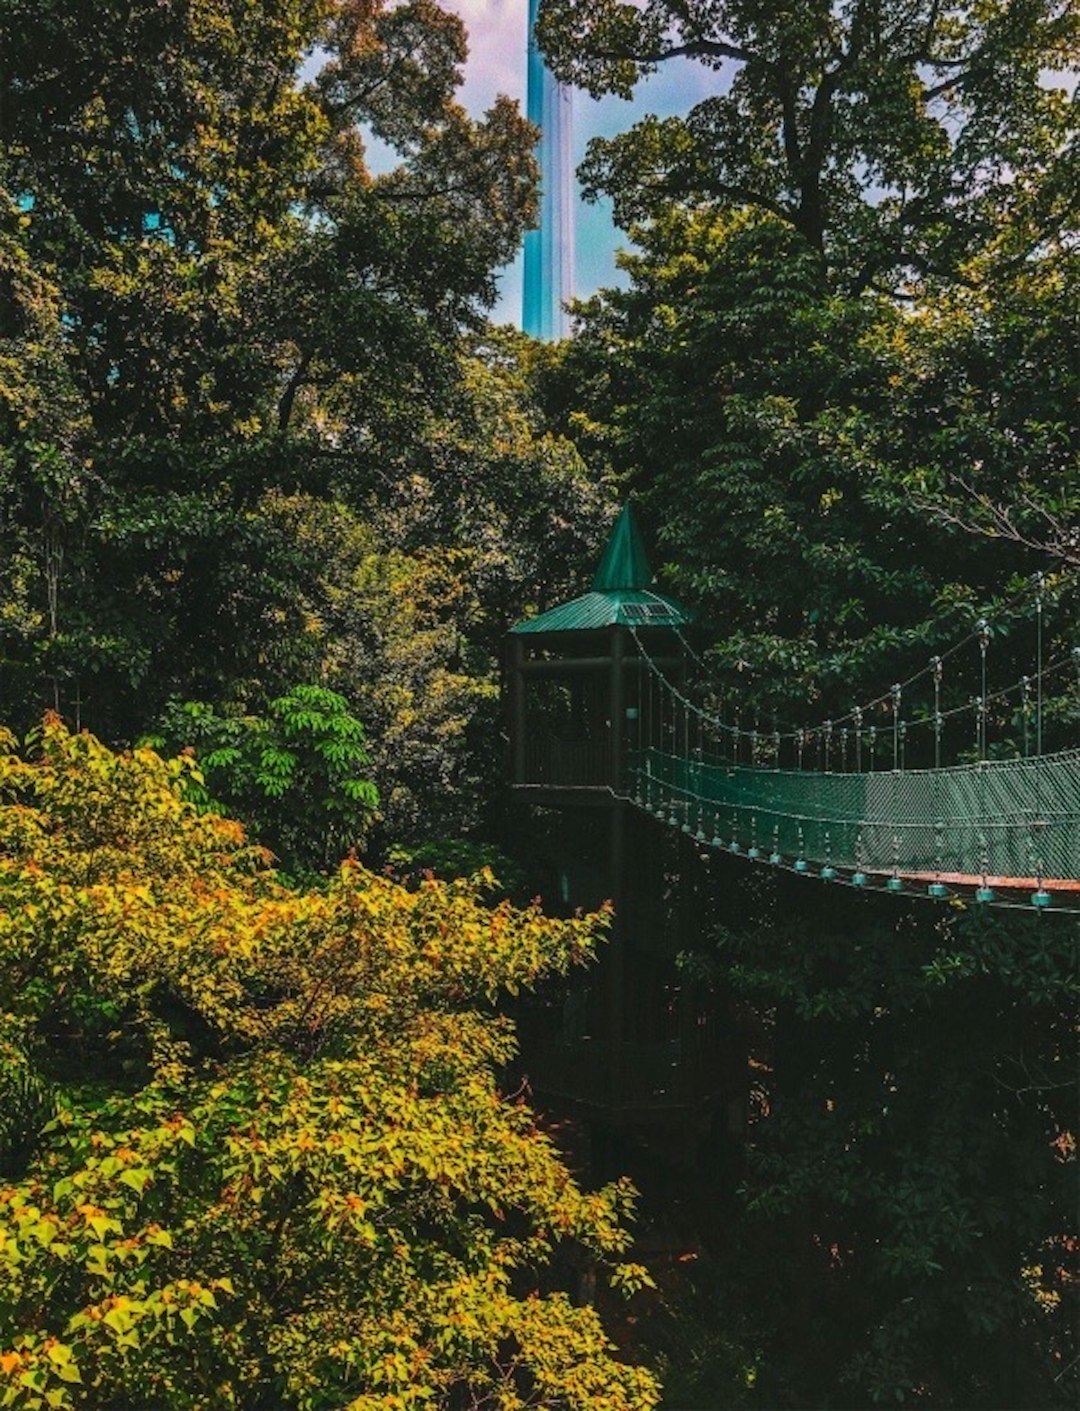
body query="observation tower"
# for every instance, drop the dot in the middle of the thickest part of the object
(549, 250)
(633, 1043)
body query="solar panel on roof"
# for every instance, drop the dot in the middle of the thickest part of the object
(646, 612)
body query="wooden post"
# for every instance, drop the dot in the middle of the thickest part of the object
(617, 707)
(616, 957)
(517, 711)
(617, 949)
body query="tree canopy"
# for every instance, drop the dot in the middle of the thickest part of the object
(280, 1170)
(272, 490)
(888, 135)
(255, 433)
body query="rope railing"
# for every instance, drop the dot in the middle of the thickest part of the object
(834, 728)
(981, 634)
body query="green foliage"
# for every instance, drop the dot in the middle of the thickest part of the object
(26, 1106)
(980, 428)
(706, 1349)
(453, 520)
(457, 857)
(719, 385)
(888, 135)
(912, 1163)
(253, 432)
(296, 776)
(282, 1173)
(253, 427)
(813, 462)
(206, 295)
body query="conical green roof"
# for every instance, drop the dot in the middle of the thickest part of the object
(624, 564)
(620, 596)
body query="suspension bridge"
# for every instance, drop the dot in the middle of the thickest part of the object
(607, 695)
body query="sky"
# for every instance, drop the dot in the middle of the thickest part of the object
(497, 65)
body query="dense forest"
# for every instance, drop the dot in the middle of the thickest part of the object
(273, 489)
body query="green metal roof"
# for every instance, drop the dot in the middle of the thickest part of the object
(623, 564)
(621, 594)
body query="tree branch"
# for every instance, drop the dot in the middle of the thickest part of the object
(693, 49)
(956, 80)
(722, 48)
(1062, 541)
(288, 397)
(731, 190)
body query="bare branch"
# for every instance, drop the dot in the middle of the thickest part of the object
(1059, 539)
(693, 49)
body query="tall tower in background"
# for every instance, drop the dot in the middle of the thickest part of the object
(549, 251)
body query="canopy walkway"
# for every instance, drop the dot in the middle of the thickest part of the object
(836, 799)
(994, 827)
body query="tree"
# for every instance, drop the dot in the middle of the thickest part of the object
(911, 1164)
(731, 397)
(281, 1173)
(484, 471)
(979, 429)
(44, 479)
(297, 777)
(813, 453)
(811, 464)
(888, 135)
(220, 257)
(442, 525)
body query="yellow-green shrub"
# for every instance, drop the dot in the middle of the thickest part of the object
(282, 1174)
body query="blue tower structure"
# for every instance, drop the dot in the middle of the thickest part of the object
(549, 250)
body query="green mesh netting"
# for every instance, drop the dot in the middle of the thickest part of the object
(1002, 818)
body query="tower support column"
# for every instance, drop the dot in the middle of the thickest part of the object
(517, 711)
(618, 705)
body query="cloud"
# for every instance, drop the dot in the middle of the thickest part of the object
(497, 34)
(496, 64)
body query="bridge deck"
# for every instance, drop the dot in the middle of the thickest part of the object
(1004, 884)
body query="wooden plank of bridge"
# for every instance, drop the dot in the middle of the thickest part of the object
(1005, 884)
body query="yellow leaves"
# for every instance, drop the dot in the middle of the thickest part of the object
(137, 1179)
(393, 1368)
(631, 1278)
(336, 1140)
(45, 1231)
(99, 1222)
(34, 1370)
(120, 1316)
(97, 1261)
(181, 1129)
